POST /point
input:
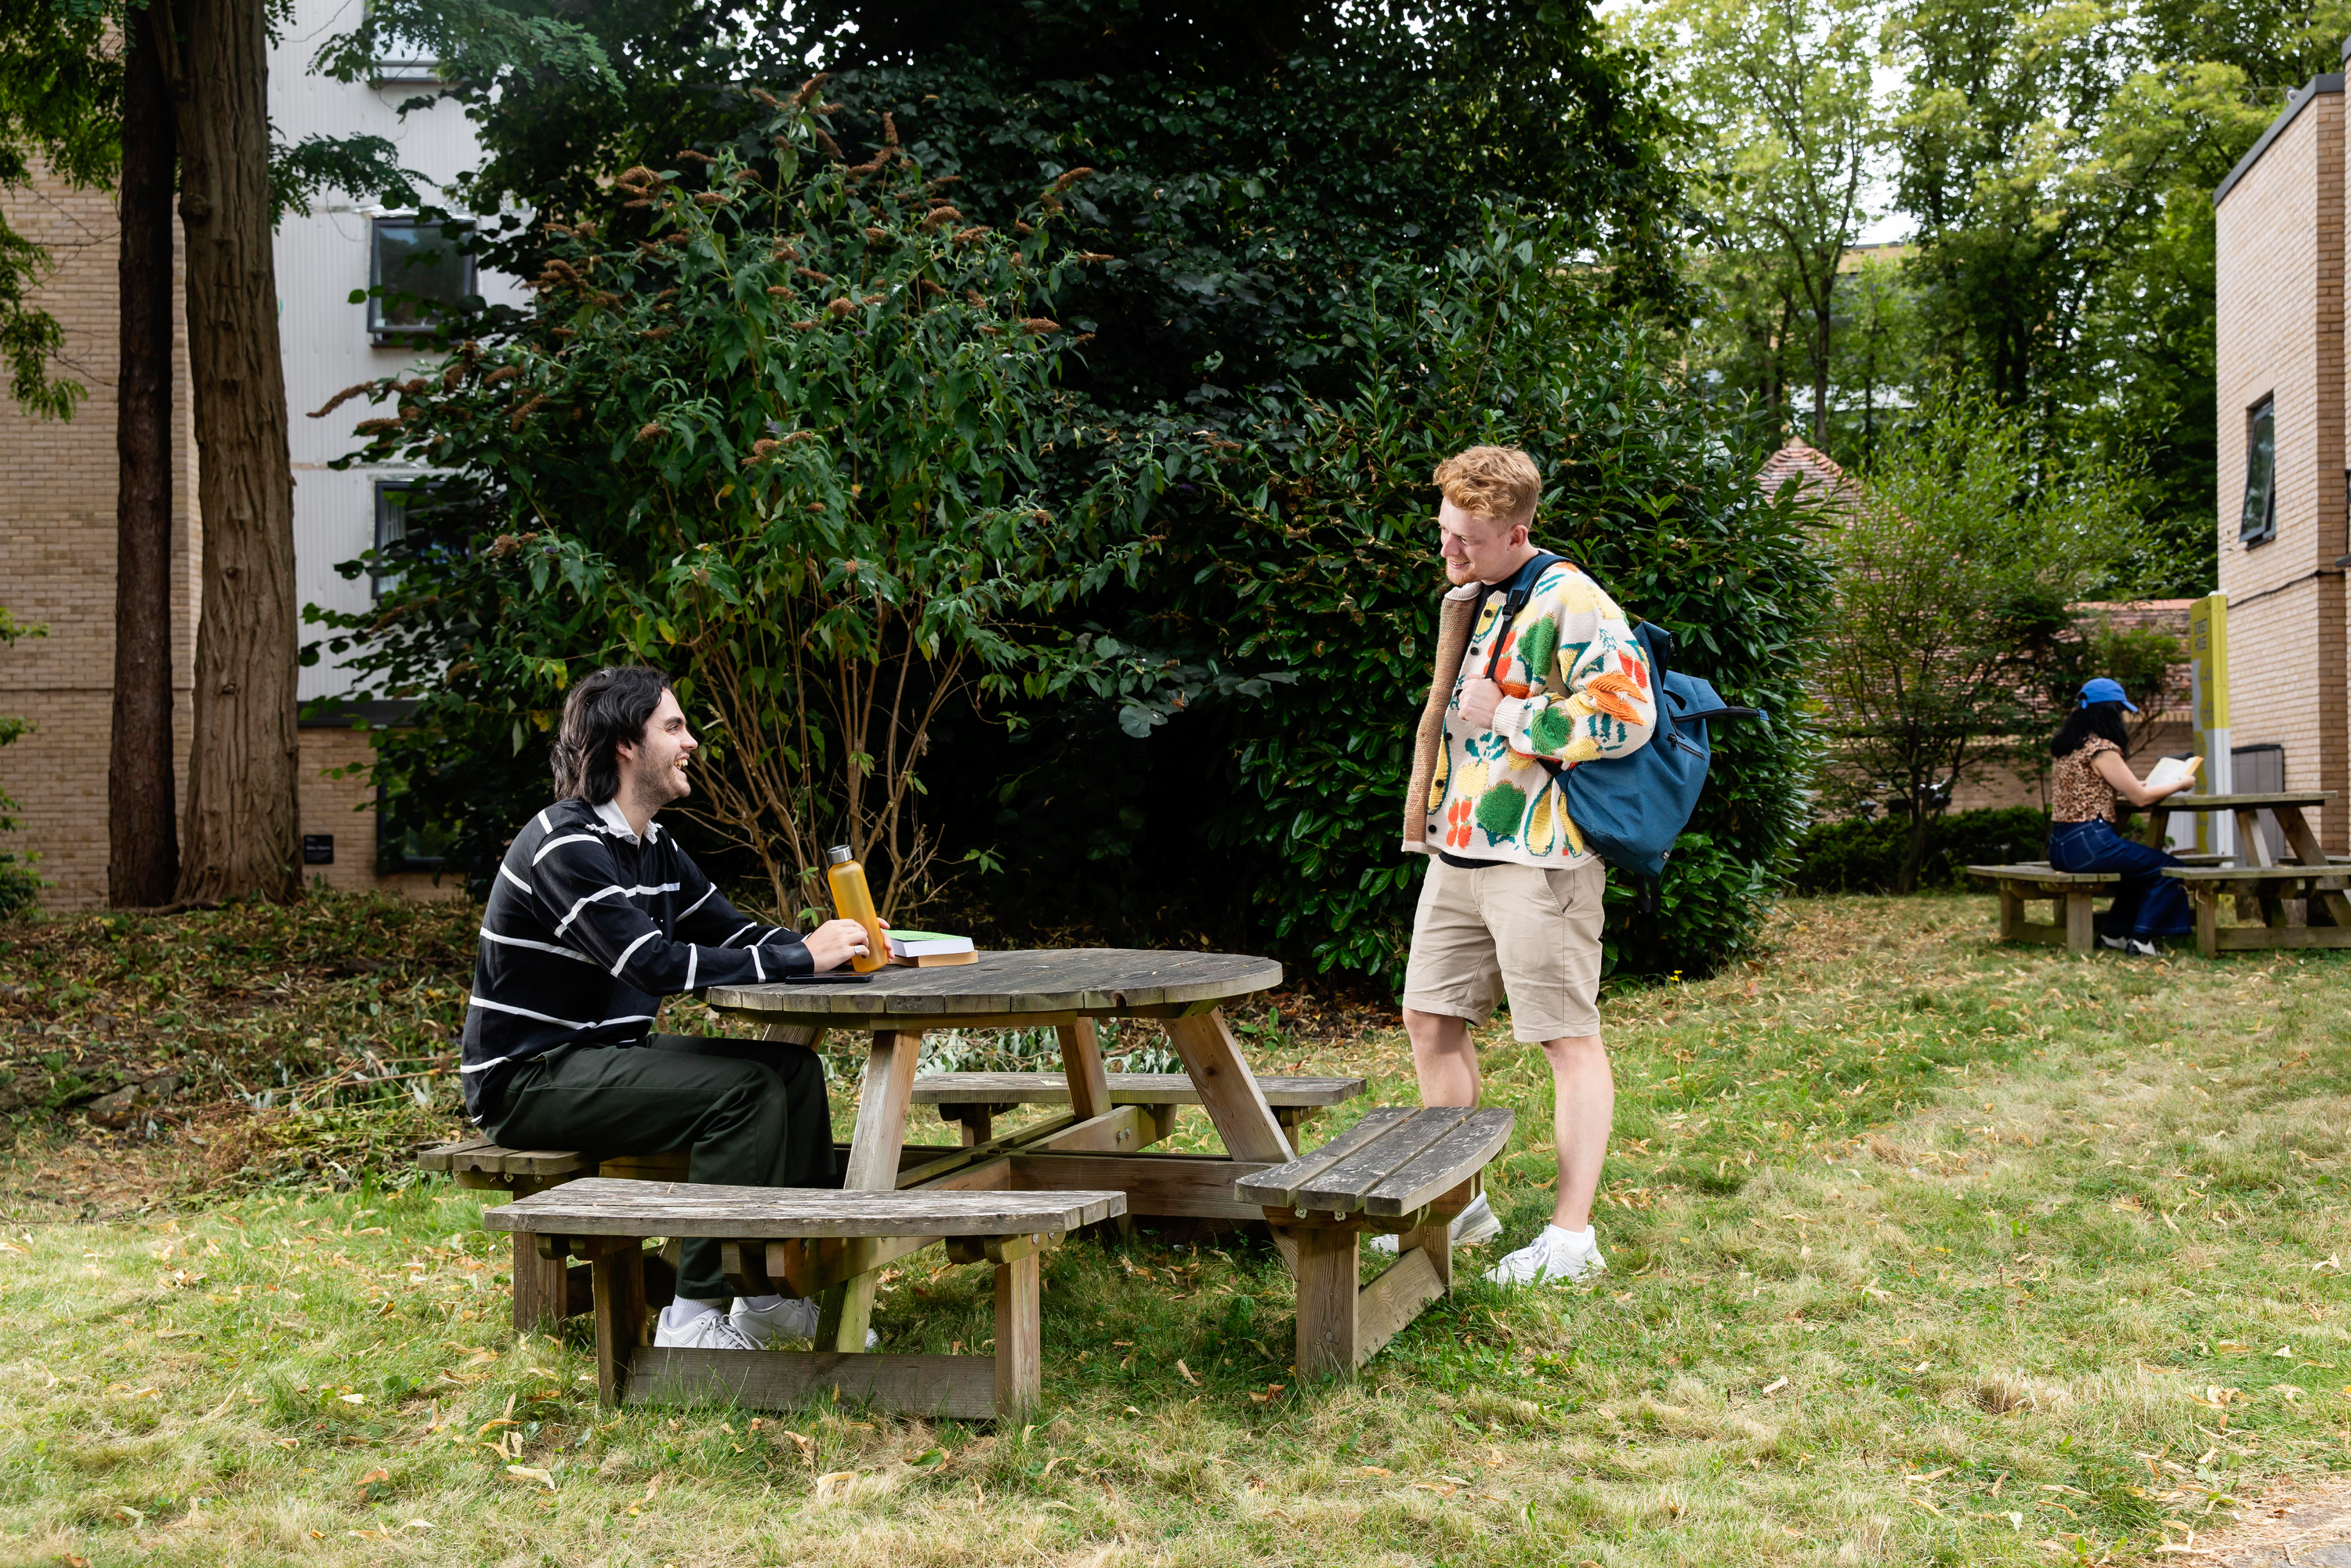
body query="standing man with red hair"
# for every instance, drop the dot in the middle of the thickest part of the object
(1513, 903)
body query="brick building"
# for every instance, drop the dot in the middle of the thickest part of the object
(2282, 463)
(57, 480)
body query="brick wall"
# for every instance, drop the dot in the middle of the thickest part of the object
(56, 567)
(2279, 255)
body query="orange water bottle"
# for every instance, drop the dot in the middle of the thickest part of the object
(852, 900)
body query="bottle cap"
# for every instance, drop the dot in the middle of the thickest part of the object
(841, 854)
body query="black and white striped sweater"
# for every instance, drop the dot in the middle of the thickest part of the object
(587, 928)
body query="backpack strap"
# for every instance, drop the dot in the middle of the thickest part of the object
(1520, 588)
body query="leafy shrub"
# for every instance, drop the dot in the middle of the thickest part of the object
(1859, 855)
(784, 448)
(19, 886)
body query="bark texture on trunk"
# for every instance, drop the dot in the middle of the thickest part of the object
(142, 865)
(242, 831)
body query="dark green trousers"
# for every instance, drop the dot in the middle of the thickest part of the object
(748, 1113)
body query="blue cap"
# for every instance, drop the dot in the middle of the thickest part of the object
(2103, 690)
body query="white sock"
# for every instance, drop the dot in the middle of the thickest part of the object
(1582, 1240)
(758, 1303)
(684, 1311)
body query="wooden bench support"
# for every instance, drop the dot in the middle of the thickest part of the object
(1397, 1170)
(2074, 920)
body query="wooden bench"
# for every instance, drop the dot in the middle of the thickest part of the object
(976, 1099)
(1400, 1171)
(2074, 923)
(797, 1242)
(548, 1289)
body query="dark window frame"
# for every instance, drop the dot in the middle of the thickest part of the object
(383, 325)
(390, 506)
(2257, 513)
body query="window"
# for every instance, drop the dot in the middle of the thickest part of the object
(402, 60)
(418, 273)
(2258, 522)
(391, 501)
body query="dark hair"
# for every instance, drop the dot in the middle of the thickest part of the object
(609, 707)
(2102, 721)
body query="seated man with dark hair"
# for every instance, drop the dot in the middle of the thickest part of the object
(595, 915)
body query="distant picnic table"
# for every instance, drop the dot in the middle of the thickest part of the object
(2267, 890)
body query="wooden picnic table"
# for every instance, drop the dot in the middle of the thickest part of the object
(2261, 883)
(1097, 1145)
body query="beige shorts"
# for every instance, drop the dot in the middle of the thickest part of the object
(1509, 930)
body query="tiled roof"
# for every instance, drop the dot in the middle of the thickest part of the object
(1814, 470)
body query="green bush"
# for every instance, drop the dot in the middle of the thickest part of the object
(1859, 855)
(1308, 545)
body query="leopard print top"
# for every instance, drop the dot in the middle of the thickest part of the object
(2078, 793)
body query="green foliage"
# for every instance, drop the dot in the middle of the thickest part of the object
(1250, 159)
(1958, 566)
(1310, 547)
(59, 103)
(785, 448)
(19, 885)
(1866, 855)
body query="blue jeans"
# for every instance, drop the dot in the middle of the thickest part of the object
(2148, 903)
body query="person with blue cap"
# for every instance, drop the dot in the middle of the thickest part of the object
(2090, 776)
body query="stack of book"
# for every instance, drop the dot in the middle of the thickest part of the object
(930, 949)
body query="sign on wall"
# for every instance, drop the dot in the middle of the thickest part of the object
(2208, 669)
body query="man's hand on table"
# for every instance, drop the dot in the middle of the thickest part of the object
(834, 943)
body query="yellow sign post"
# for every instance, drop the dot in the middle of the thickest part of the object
(2208, 665)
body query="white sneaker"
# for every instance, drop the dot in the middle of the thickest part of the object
(707, 1330)
(783, 1317)
(1472, 1225)
(1553, 1258)
(787, 1318)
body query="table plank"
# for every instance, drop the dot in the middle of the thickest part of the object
(2242, 803)
(1092, 981)
(605, 1205)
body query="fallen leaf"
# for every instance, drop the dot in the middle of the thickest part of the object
(1372, 1470)
(1774, 1387)
(1185, 1372)
(531, 1473)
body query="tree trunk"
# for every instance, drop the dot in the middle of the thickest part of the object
(1821, 341)
(242, 831)
(1907, 880)
(142, 863)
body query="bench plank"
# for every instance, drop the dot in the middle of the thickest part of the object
(606, 1205)
(2043, 873)
(1279, 1187)
(1342, 1187)
(960, 1387)
(2255, 873)
(1445, 1164)
(1126, 1088)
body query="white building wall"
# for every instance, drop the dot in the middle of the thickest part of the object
(322, 261)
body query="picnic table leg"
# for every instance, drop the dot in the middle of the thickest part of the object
(2208, 921)
(2081, 923)
(1081, 1063)
(1019, 1303)
(1326, 1299)
(2320, 907)
(847, 1309)
(1228, 1089)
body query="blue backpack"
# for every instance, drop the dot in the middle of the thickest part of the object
(1630, 809)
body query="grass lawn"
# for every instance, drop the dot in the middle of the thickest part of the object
(1922, 1250)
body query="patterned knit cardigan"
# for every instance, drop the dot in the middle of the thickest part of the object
(1576, 686)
